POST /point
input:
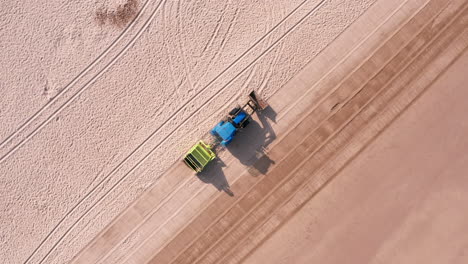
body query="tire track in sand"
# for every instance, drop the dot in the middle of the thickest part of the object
(68, 89)
(221, 45)
(76, 94)
(167, 121)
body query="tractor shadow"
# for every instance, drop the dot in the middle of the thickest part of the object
(249, 148)
(250, 143)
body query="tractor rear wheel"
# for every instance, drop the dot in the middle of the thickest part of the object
(245, 123)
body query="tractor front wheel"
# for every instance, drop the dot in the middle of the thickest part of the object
(234, 111)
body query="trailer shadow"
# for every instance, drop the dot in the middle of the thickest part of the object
(249, 148)
(213, 174)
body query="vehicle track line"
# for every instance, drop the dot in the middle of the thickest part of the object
(215, 32)
(82, 89)
(181, 49)
(140, 31)
(221, 46)
(129, 254)
(75, 79)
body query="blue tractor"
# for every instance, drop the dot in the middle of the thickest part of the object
(238, 118)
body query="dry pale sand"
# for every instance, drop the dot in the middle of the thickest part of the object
(95, 110)
(103, 98)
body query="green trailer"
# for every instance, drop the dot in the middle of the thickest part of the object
(199, 156)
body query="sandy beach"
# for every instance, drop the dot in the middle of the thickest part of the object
(360, 157)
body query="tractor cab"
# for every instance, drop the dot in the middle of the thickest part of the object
(225, 130)
(239, 117)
